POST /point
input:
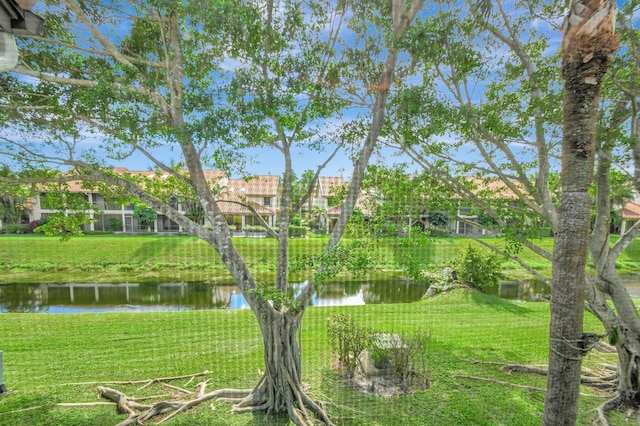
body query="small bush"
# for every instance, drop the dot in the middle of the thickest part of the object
(348, 340)
(297, 231)
(411, 364)
(297, 220)
(432, 232)
(256, 228)
(479, 269)
(113, 224)
(12, 228)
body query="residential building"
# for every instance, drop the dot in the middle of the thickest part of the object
(630, 215)
(326, 190)
(262, 193)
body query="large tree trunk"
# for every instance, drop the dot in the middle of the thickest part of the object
(623, 323)
(279, 389)
(587, 47)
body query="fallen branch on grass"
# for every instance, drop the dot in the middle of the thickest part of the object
(138, 413)
(590, 378)
(141, 413)
(531, 388)
(147, 382)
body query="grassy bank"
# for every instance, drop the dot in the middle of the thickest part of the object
(117, 258)
(45, 352)
(153, 258)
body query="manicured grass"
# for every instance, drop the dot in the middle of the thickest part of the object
(144, 258)
(45, 352)
(117, 258)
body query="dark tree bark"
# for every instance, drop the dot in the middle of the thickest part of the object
(588, 45)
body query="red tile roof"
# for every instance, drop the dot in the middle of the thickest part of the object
(237, 191)
(229, 205)
(493, 187)
(258, 186)
(212, 176)
(328, 185)
(631, 211)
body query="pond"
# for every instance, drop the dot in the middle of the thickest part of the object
(128, 297)
(140, 297)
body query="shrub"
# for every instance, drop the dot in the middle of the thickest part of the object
(432, 232)
(348, 340)
(13, 228)
(479, 269)
(297, 220)
(256, 228)
(113, 224)
(145, 216)
(297, 231)
(411, 364)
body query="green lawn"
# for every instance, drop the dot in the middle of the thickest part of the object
(154, 258)
(43, 353)
(114, 258)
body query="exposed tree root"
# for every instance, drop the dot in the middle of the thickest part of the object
(531, 388)
(616, 403)
(605, 408)
(261, 398)
(605, 380)
(608, 383)
(140, 413)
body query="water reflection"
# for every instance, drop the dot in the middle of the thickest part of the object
(66, 298)
(529, 291)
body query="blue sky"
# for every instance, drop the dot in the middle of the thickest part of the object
(266, 161)
(269, 162)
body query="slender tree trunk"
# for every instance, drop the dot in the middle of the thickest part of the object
(588, 44)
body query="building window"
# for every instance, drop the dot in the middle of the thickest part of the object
(267, 201)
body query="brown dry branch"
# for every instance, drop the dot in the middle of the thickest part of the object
(176, 403)
(202, 386)
(179, 389)
(588, 378)
(139, 413)
(137, 382)
(531, 388)
(518, 368)
(604, 380)
(20, 410)
(84, 404)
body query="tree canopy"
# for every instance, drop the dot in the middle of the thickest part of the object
(201, 83)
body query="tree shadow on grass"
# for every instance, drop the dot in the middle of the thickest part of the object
(479, 298)
(498, 303)
(161, 246)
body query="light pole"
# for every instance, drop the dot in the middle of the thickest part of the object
(16, 18)
(3, 388)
